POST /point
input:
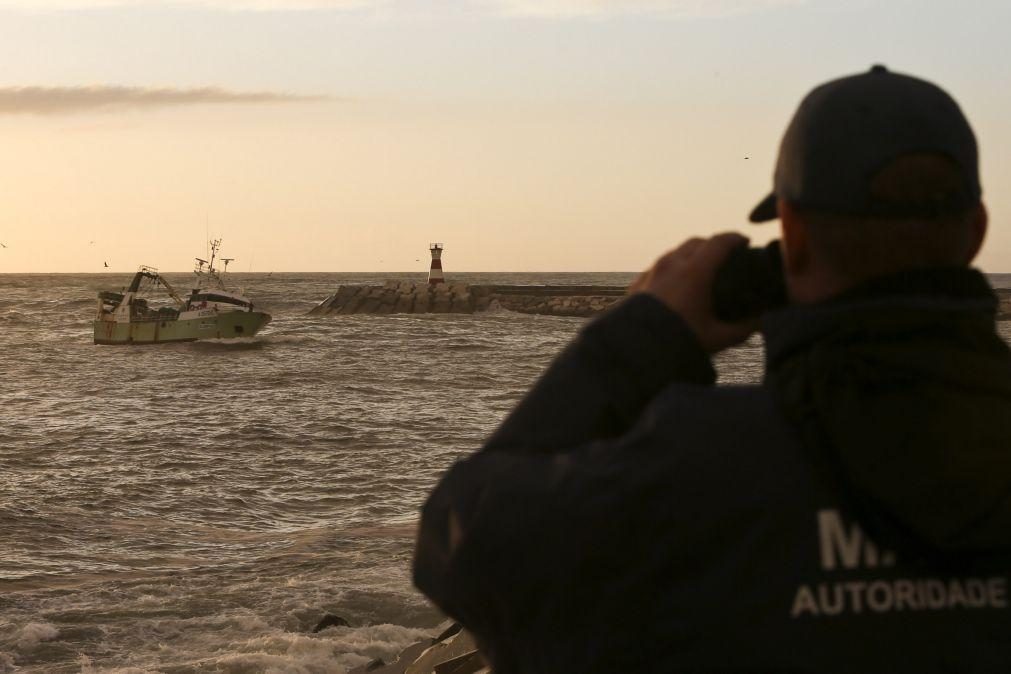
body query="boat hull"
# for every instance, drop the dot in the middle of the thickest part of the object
(223, 325)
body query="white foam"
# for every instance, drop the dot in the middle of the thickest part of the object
(333, 652)
(32, 634)
(86, 668)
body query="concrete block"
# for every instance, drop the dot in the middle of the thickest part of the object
(405, 303)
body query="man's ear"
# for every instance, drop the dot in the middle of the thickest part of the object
(977, 229)
(795, 245)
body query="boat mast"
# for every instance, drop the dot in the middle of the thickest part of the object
(170, 290)
(215, 244)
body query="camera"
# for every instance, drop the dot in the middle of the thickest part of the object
(749, 283)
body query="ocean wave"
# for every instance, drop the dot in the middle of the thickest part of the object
(337, 649)
(31, 635)
(297, 339)
(199, 506)
(232, 343)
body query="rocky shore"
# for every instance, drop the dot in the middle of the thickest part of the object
(452, 652)
(405, 297)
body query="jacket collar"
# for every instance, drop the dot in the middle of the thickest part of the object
(915, 299)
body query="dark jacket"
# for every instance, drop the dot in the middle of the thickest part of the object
(850, 514)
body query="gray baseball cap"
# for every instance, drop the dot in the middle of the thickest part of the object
(848, 129)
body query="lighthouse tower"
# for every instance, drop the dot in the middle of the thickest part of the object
(435, 273)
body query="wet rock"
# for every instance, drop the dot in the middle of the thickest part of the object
(462, 304)
(468, 663)
(330, 620)
(452, 647)
(353, 302)
(398, 666)
(450, 631)
(405, 303)
(460, 298)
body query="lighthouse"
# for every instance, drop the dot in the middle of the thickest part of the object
(435, 273)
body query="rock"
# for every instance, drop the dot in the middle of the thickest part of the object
(405, 303)
(324, 306)
(403, 661)
(452, 647)
(468, 663)
(412, 297)
(421, 301)
(450, 631)
(352, 304)
(330, 620)
(374, 665)
(462, 304)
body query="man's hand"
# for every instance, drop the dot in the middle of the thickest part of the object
(683, 278)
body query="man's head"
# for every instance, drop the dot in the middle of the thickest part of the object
(877, 173)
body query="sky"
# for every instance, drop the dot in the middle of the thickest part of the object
(524, 135)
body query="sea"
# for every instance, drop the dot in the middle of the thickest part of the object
(199, 507)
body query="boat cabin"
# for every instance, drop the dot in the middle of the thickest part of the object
(220, 300)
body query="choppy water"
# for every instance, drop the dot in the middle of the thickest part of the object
(198, 507)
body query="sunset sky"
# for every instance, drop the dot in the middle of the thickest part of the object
(345, 135)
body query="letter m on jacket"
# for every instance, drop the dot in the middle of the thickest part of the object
(847, 547)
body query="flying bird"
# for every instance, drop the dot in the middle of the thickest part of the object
(3, 245)
(106, 264)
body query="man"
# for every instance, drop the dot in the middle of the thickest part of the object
(850, 514)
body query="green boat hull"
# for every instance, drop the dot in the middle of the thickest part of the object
(224, 325)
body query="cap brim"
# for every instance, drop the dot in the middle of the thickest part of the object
(765, 210)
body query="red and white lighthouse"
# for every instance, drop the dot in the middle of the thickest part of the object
(435, 273)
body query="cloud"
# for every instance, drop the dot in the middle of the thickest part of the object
(63, 100)
(541, 8)
(237, 5)
(606, 8)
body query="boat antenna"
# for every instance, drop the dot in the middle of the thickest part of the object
(215, 244)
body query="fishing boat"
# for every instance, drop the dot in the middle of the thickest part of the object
(211, 311)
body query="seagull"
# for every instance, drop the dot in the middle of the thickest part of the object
(106, 264)
(3, 245)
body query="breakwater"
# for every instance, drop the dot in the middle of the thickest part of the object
(406, 297)
(1003, 304)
